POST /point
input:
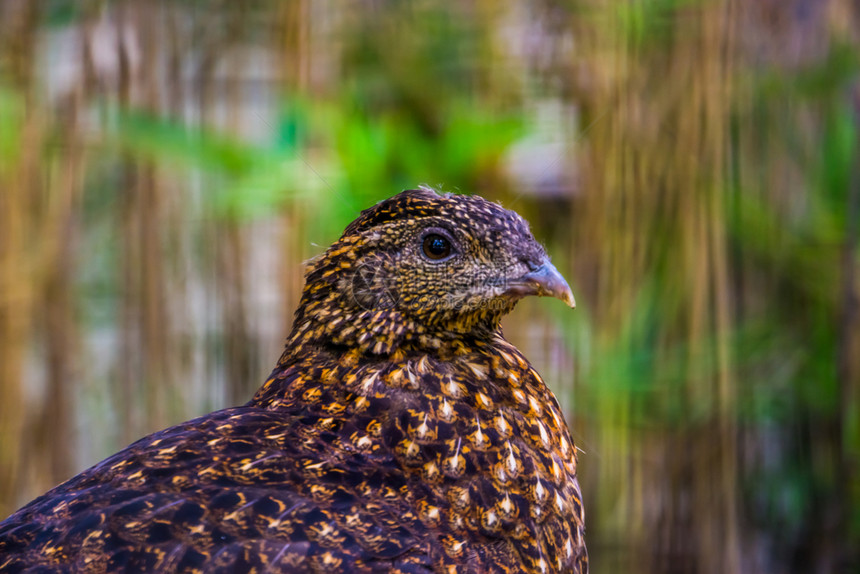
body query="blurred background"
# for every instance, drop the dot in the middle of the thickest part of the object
(166, 166)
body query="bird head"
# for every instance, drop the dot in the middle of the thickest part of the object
(421, 268)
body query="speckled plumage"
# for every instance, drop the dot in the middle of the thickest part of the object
(399, 431)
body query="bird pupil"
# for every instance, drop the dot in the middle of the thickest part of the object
(436, 247)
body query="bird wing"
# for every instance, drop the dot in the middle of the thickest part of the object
(240, 488)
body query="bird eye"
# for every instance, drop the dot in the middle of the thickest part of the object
(436, 247)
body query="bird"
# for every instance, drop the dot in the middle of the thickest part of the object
(399, 431)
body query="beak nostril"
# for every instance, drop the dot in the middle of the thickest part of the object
(531, 263)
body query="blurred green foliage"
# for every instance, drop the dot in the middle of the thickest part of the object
(11, 115)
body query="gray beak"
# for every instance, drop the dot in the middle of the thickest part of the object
(545, 281)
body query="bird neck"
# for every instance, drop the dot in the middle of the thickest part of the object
(310, 362)
(326, 318)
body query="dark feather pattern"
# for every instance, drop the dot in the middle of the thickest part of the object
(399, 431)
